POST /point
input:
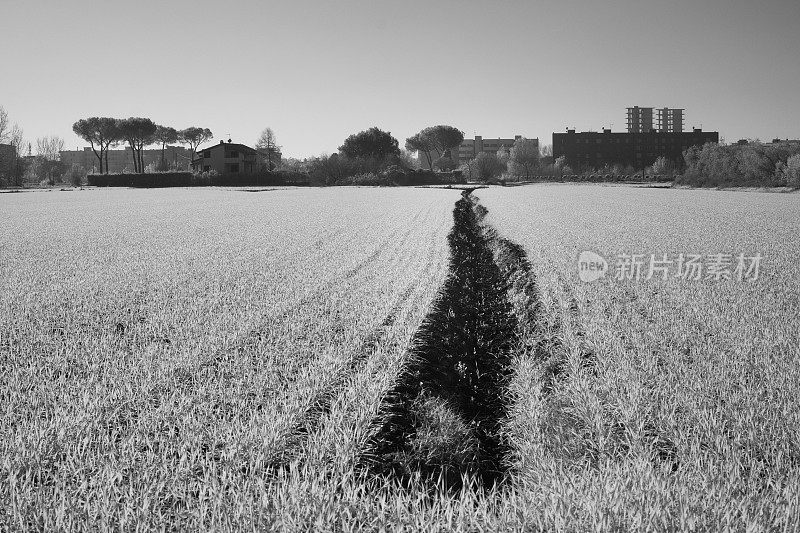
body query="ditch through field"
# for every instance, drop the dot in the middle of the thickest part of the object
(445, 421)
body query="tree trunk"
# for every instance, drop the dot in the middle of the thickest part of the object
(133, 154)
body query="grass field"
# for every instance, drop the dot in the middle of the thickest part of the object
(702, 375)
(227, 360)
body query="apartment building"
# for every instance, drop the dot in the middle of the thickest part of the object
(640, 120)
(470, 148)
(587, 150)
(122, 160)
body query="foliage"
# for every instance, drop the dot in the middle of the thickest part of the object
(738, 165)
(138, 132)
(194, 137)
(369, 179)
(100, 133)
(663, 166)
(523, 158)
(444, 163)
(371, 144)
(421, 144)
(75, 175)
(435, 140)
(503, 156)
(486, 167)
(791, 171)
(165, 135)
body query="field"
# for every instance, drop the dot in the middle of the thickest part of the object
(366, 359)
(700, 374)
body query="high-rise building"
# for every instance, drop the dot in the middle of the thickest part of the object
(640, 119)
(669, 120)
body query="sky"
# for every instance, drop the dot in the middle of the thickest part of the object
(318, 71)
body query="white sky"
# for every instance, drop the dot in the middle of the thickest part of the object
(318, 71)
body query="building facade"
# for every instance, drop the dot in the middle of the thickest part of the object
(229, 158)
(670, 120)
(470, 148)
(592, 150)
(8, 156)
(640, 120)
(122, 160)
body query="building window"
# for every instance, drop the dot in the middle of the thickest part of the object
(207, 154)
(234, 168)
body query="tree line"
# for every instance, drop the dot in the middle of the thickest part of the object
(374, 157)
(103, 133)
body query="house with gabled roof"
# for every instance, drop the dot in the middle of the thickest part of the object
(228, 158)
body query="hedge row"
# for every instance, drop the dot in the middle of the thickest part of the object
(187, 179)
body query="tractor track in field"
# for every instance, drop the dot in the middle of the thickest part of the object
(246, 342)
(320, 403)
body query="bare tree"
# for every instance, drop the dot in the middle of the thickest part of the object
(49, 147)
(268, 143)
(11, 134)
(5, 126)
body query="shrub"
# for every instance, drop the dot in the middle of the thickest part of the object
(751, 164)
(370, 179)
(76, 175)
(791, 171)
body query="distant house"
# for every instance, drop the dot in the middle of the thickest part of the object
(231, 158)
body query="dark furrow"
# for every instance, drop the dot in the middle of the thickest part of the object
(442, 420)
